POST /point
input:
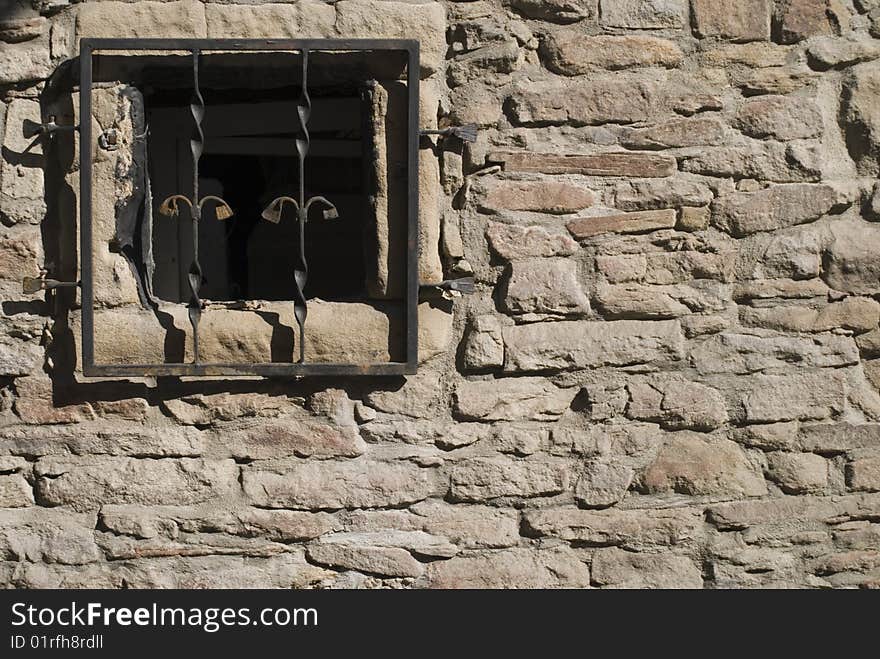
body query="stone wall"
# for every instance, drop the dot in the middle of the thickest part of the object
(668, 375)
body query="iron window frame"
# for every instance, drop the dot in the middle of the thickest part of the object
(88, 46)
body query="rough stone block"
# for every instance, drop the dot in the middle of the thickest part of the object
(511, 399)
(378, 19)
(628, 529)
(545, 286)
(636, 222)
(484, 346)
(776, 207)
(582, 102)
(512, 241)
(748, 20)
(678, 133)
(694, 465)
(53, 536)
(361, 483)
(851, 266)
(587, 344)
(480, 479)
(798, 473)
(540, 196)
(863, 474)
(15, 491)
(297, 20)
(602, 484)
(804, 396)
(21, 175)
(635, 165)
(86, 483)
(644, 14)
(511, 568)
(26, 61)
(117, 20)
(615, 568)
(558, 11)
(676, 404)
(780, 117)
(570, 52)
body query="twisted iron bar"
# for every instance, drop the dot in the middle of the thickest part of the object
(171, 206)
(274, 210)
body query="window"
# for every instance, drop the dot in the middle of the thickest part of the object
(219, 145)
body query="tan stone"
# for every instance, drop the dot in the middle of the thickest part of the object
(659, 193)
(484, 347)
(854, 313)
(360, 483)
(798, 473)
(470, 527)
(700, 131)
(588, 344)
(298, 20)
(804, 18)
(545, 286)
(644, 14)
(558, 11)
(615, 568)
(511, 241)
(15, 491)
(86, 483)
(747, 20)
(744, 213)
(863, 474)
(21, 252)
(541, 196)
(479, 479)
(21, 175)
(780, 117)
(637, 222)
(630, 529)
(377, 19)
(598, 164)
(570, 52)
(582, 102)
(511, 568)
(178, 18)
(511, 399)
(25, 62)
(690, 464)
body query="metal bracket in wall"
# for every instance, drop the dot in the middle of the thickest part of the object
(38, 131)
(463, 286)
(31, 285)
(466, 133)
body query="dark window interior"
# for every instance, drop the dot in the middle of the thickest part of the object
(250, 159)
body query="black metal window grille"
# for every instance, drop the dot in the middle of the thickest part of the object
(194, 204)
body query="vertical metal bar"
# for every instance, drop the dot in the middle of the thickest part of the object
(197, 107)
(301, 268)
(412, 155)
(85, 207)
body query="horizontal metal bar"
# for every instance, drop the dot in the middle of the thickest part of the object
(238, 369)
(408, 45)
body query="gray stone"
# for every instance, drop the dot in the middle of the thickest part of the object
(747, 353)
(767, 161)
(15, 491)
(776, 207)
(861, 116)
(863, 474)
(470, 527)
(833, 52)
(615, 568)
(21, 175)
(51, 536)
(588, 344)
(851, 266)
(545, 286)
